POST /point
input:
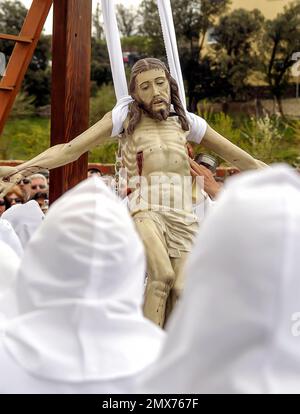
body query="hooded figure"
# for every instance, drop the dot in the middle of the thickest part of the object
(9, 265)
(236, 328)
(25, 219)
(9, 236)
(80, 293)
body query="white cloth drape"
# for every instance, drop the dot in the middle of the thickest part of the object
(25, 219)
(197, 124)
(112, 35)
(114, 48)
(236, 328)
(9, 266)
(167, 25)
(80, 291)
(9, 236)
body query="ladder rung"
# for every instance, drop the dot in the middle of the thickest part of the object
(6, 88)
(20, 39)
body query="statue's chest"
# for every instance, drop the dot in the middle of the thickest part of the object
(157, 146)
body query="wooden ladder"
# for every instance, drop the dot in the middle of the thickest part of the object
(21, 55)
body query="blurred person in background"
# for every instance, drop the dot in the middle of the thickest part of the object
(94, 171)
(14, 196)
(46, 174)
(42, 199)
(38, 184)
(25, 186)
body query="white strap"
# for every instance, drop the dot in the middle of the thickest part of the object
(120, 111)
(167, 25)
(197, 124)
(114, 48)
(111, 30)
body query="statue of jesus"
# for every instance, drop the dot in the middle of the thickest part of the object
(154, 153)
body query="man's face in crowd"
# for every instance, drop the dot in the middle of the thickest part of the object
(93, 171)
(153, 93)
(14, 199)
(25, 186)
(37, 185)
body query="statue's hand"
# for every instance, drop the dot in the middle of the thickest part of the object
(9, 176)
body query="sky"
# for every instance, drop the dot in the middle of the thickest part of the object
(48, 24)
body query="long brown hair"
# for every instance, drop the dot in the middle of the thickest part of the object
(135, 111)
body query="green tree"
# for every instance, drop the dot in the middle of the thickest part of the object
(127, 20)
(23, 139)
(100, 66)
(102, 103)
(12, 15)
(37, 81)
(236, 35)
(97, 25)
(150, 27)
(192, 19)
(281, 40)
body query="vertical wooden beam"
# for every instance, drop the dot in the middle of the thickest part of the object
(71, 53)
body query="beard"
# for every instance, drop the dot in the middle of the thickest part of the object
(160, 115)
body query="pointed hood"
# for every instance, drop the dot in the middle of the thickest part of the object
(9, 236)
(9, 265)
(236, 328)
(80, 290)
(25, 219)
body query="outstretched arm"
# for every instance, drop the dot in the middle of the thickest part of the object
(58, 155)
(63, 154)
(225, 149)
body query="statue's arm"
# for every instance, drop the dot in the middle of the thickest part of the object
(63, 154)
(58, 155)
(225, 149)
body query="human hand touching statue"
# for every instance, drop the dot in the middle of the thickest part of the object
(211, 186)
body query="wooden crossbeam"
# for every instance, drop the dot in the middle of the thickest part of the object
(20, 39)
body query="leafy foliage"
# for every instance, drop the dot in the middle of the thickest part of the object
(235, 55)
(23, 106)
(100, 66)
(281, 39)
(268, 138)
(24, 139)
(127, 20)
(102, 103)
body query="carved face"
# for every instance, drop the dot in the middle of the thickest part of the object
(153, 92)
